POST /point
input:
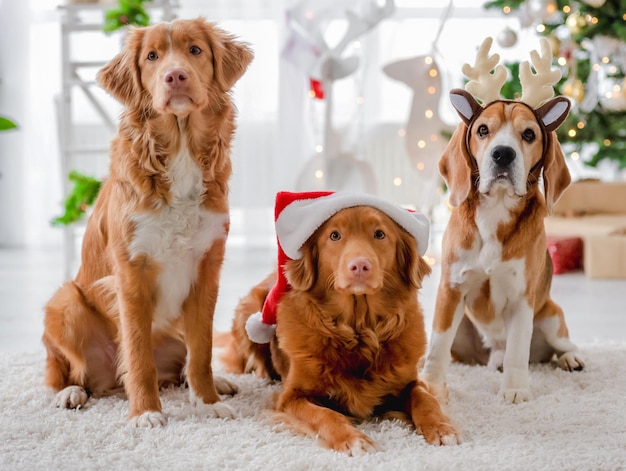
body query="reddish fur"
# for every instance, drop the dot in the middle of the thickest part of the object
(344, 354)
(104, 317)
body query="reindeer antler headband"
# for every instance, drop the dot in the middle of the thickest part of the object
(487, 77)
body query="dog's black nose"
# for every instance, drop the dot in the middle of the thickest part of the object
(503, 155)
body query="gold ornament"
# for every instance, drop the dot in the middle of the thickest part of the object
(574, 88)
(575, 22)
(555, 45)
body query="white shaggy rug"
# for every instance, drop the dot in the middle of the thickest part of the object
(576, 422)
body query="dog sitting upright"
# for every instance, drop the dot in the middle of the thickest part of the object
(493, 305)
(139, 313)
(349, 330)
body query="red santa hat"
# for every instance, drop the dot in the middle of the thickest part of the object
(297, 216)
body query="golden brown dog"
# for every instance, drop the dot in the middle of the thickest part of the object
(349, 333)
(493, 305)
(139, 313)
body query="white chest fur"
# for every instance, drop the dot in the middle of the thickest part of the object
(177, 236)
(483, 262)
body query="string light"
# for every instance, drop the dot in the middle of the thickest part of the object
(319, 174)
(575, 156)
(432, 72)
(420, 165)
(401, 132)
(428, 60)
(397, 181)
(506, 10)
(429, 114)
(606, 142)
(431, 90)
(566, 9)
(421, 144)
(580, 125)
(571, 133)
(562, 61)
(319, 148)
(541, 28)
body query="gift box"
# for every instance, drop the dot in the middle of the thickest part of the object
(595, 212)
(566, 253)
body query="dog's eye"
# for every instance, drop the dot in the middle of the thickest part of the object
(528, 135)
(379, 235)
(195, 50)
(152, 56)
(335, 236)
(483, 130)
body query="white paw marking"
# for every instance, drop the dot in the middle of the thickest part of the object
(516, 396)
(570, 361)
(360, 446)
(149, 419)
(225, 386)
(217, 410)
(451, 439)
(72, 397)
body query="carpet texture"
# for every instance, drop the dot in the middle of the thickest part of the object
(577, 421)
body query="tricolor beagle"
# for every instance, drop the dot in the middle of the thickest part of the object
(493, 305)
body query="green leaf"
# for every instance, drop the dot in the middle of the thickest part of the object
(6, 124)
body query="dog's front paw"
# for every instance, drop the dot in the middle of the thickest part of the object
(516, 396)
(72, 397)
(570, 361)
(225, 386)
(357, 445)
(217, 410)
(440, 434)
(149, 419)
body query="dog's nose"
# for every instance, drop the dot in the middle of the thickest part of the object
(175, 77)
(503, 155)
(359, 266)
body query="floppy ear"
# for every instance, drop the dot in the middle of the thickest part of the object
(230, 58)
(556, 177)
(302, 273)
(412, 267)
(121, 76)
(454, 167)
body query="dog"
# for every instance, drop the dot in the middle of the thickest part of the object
(139, 313)
(493, 304)
(349, 334)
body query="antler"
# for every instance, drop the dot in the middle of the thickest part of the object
(537, 88)
(484, 85)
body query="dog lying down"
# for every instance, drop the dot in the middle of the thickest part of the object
(349, 329)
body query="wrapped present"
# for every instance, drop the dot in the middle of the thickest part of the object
(566, 253)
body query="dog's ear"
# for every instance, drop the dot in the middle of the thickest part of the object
(412, 267)
(302, 273)
(230, 57)
(454, 167)
(121, 76)
(556, 176)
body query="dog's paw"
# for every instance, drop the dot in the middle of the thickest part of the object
(440, 434)
(72, 397)
(356, 445)
(516, 396)
(225, 386)
(217, 410)
(570, 361)
(149, 419)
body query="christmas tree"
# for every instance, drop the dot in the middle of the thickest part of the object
(588, 39)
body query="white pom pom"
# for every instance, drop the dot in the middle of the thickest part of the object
(257, 330)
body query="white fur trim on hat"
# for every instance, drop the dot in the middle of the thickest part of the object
(296, 223)
(258, 331)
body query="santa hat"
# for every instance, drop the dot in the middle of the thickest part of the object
(297, 216)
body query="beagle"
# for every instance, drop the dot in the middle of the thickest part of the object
(493, 304)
